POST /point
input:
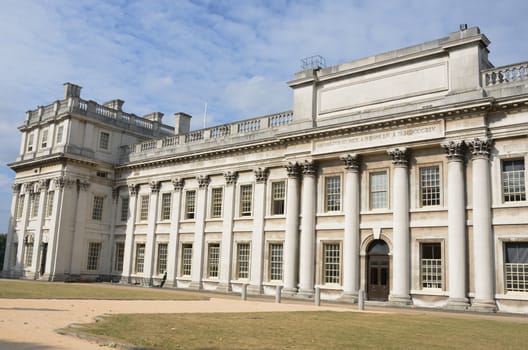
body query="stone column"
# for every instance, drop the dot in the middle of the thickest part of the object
(259, 211)
(351, 238)
(400, 232)
(79, 227)
(11, 230)
(307, 254)
(456, 214)
(110, 250)
(199, 236)
(150, 244)
(129, 238)
(37, 249)
(226, 249)
(291, 239)
(482, 232)
(172, 254)
(23, 224)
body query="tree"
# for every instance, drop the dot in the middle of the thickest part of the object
(3, 238)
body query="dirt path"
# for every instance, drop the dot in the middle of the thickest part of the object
(31, 324)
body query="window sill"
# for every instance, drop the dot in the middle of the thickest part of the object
(510, 205)
(277, 216)
(430, 291)
(330, 213)
(336, 287)
(513, 296)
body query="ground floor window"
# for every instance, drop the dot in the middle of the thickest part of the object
(140, 258)
(275, 259)
(516, 266)
(186, 259)
(331, 263)
(28, 258)
(119, 256)
(94, 250)
(162, 258)
(213, 259)
(243, 260)
(431, 265)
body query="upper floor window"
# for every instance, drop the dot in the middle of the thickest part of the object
(60, 132)
(31, 139)
(516, 266)
(216, 202)
(124, 208)
(278, 193)
(166, 206)
(332, 193)
(35, 199)
(20, 207)
(429, 186)
(144, 208)
(378, 190)
(246, 194)
(190, 204)
(97, 210)
(49, 205)
(513, 180)
(104, 140)
(44, 139)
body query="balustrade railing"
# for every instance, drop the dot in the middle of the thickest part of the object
(505, 74)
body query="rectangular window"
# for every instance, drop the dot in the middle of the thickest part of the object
(213, 260)
(124, 208)
(190, 204)
(275, 259)
(31, 138)
(60, 131)
(186, 259)
(104, 140)
(513, 187)
(44, 140)
(166, 199)
(35, 199)
(20, 207)
(431, 265)
(28, 259)
(331, 263)
(216, 202)
(278, 193)
(333, 193)
(49, 205)
(140, 258)
(378, 190)
(94, 250)
(243, 260)
(144, 208)
(119, 256)
(246, 194)
(162, 258)
(516, 266)
(14, 254)
(430, 186)
(97, 210)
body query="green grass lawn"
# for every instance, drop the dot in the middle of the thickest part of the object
(17, 289)
(311, 330)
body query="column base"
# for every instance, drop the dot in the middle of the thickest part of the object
(255, 290)
(457, 304)
(224, 287)
(305, 293)
(349, 297)
(197, 285)
(289, 292)
(481, 305)
(400, 300)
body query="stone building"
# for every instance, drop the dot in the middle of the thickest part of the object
(401, 175)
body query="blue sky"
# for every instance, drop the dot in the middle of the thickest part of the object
(171, 56)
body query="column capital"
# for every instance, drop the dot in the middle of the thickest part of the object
(261, 175)
(203, 181)
(454, 149)
(16, 188)
(42, 185)
(309, 168)
(63, 181)
(115, 191)
(134, 189)
(177, 183)
(82, 185)
(352, 162)
(399, 156)
(479, 148)
(293, 169)
(231, 177)
(155, 186)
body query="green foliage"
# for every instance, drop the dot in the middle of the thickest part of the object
(3, 239)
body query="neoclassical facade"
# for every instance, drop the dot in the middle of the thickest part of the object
(401, 176)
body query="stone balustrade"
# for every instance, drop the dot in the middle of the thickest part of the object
(94, 110)
(201, 136)
(505, 74)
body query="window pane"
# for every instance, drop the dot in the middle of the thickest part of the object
(513, 178)
(246, 192)
(124, 208)
(243, 260)
(333, 193)
(378, 190)
(216, 202)
(162, 258)
(93, 255)
(165, 206)
(278, 193)
(186, 259)
(190, 198)
(144, 209)
(97, 210)
(213, 258)
(119, 256)
(104, 140)
(332, 264)
(431, 265)
(276, 265)
(140, 258)
(430, 186)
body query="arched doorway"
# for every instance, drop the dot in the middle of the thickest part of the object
(378, 271)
